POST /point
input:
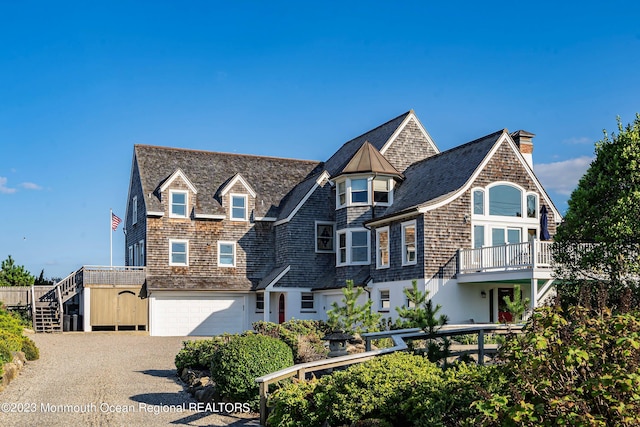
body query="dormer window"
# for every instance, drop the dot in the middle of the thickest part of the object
(179, 201)
(238, 207)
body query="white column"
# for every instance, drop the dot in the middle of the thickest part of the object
(534, 293)
(267, 306)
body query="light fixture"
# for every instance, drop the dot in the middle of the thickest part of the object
(483, 294)
(466, 218)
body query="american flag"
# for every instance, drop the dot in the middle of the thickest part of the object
(115, 221)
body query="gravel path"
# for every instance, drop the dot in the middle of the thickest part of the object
(105, 379)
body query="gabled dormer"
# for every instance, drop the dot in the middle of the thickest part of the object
(180, 194)
(238, 196)
(367, 180)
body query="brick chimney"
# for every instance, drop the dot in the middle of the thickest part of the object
(524, 141)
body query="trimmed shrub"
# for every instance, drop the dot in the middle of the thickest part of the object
(29, 349)
(5, 354)
(304, 337)
(237, 364)
(199, 354)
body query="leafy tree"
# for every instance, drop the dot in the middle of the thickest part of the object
(350, 316)
(604, 210)
(518, 305)
(14, 275)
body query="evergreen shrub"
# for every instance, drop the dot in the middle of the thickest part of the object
(237, 364)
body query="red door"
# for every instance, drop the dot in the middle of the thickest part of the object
(281, 309)
(503, 314)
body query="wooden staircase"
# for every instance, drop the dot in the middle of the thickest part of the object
(48, 308)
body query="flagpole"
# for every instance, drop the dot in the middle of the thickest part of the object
(111, 236)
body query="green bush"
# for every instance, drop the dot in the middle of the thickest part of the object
(237, 364)
(29, 349)
(569, 369)
(304, 337)
(10, 323)
(5, 354)
(199, 354)
(12, 341)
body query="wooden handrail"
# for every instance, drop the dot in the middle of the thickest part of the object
(398, 337)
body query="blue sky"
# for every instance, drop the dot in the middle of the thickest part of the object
(82, 82)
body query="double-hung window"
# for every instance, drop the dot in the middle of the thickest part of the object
(260, 302)
(385, 300)
(409, 243)
(353, 247)
(178, 200)
(382, 191)
(238, 207)
(382, 247)
(226, 254)
(306, 301)
(178, 252)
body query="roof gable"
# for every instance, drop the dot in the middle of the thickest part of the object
(237, 178)
(175, 175)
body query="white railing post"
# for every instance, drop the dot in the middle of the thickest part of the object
(534, 253)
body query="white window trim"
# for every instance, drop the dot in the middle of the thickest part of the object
(313, 302)
(186, 246)
(186, 201)
(233, 244)
(379, 264)
(132, 260)
(484, 201)
(347, 198)
(333, 224)
(134, 210)
(404, 226)
(526, 205)
(381, 307)
(260, 310)
(348, 232)
(391, 187)
(246, 207)
(140, 253)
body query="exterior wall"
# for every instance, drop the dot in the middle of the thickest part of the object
(396, 271)
(254, 243)
(135, 232)
(325, 299)
(409, 147)
(296, 245)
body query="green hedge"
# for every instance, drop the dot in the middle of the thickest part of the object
(11, 339)
(198, 354)
(400, 389)
(237, 364)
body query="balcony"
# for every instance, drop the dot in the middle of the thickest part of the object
(512, 262)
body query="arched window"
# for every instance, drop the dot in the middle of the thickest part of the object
(505, 200)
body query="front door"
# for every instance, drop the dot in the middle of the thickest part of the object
(503, 314)
(281, 309)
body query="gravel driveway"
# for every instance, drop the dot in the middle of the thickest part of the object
(105, 379)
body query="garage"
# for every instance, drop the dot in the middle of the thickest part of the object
(202, 314)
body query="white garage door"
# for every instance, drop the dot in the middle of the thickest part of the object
(197, 315)
(329, 300)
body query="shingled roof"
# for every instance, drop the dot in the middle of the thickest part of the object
(377, 137)
(272, 178)
(440, 175)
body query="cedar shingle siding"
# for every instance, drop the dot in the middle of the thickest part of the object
(288, 201)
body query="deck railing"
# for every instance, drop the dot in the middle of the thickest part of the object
(515, 256)
(98, 275)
